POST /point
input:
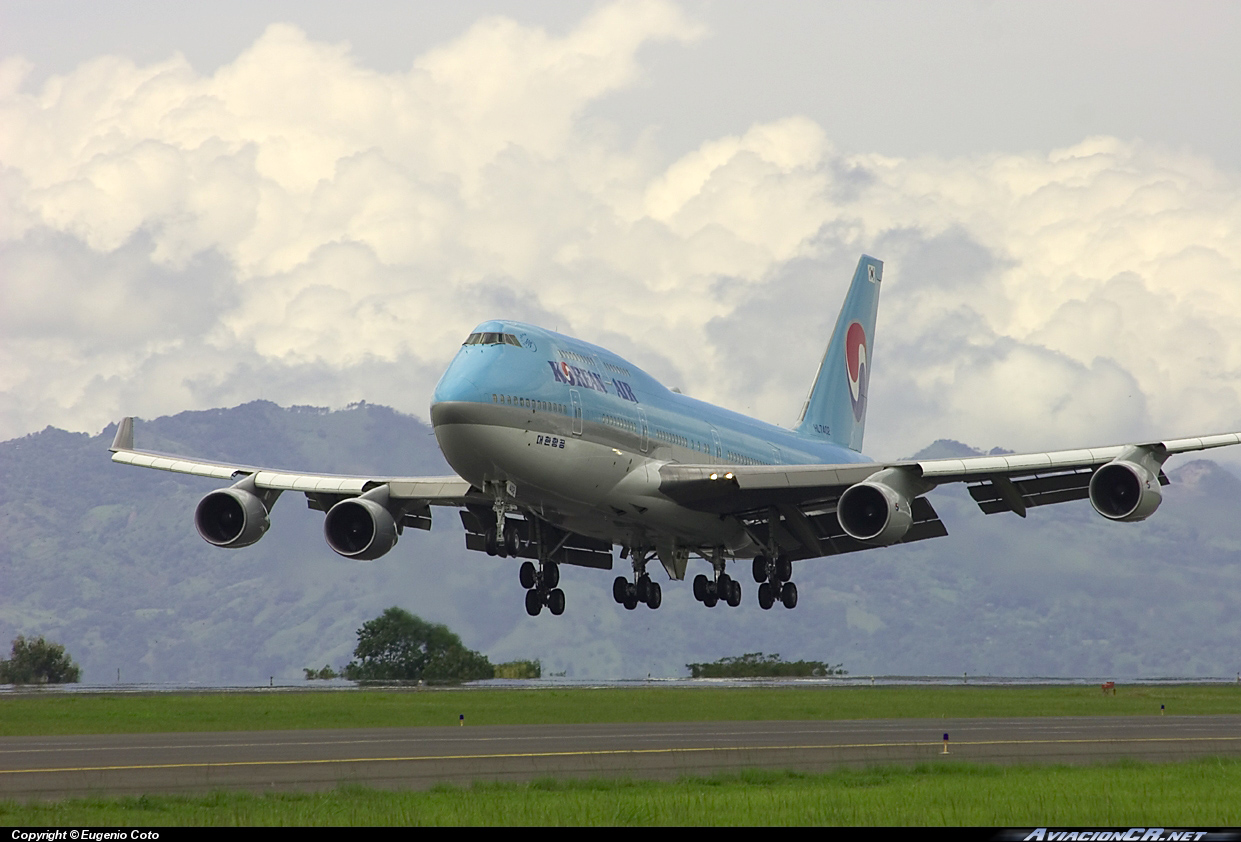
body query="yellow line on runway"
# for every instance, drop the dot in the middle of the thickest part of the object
(597, 753)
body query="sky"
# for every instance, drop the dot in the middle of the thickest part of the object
(314, 204)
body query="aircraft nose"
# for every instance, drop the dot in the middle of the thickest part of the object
(457, 384)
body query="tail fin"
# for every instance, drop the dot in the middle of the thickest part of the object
(835, 410)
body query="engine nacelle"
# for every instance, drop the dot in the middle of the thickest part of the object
(361, 528)
(879, 510)
(1125, 491)
(232, 517)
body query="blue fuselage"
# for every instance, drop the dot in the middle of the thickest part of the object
(581, 433)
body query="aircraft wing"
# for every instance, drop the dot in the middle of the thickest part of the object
(320, 489)
(799, 502)
(381, 507)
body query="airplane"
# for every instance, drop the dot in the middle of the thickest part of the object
(564, 450)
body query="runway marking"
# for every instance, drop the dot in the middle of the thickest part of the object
(597, 753)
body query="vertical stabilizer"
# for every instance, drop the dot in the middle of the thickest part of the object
(836, 407)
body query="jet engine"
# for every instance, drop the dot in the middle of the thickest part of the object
(1125, 490)
(235, 516)
(362, 528)
(879, 510)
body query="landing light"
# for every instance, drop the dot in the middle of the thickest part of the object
(715, 476)
(617, 452)
(728, 475)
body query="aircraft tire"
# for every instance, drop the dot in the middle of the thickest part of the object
(551, 574)
(734, 594)
(765, 597)
(511, 542)
(654, 596)
(489, 542)
(784, 568)
(760, 569)
(534, 603)
(631, 598)
(555, 602)
(711, 601)
(644, 587)
(788, 595)
(619, 586)
(527, 574)
(700, 587)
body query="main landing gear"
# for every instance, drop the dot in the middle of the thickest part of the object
(773, 574)
(541, 587)
(641, 589)
(723, 588)
(505, 539)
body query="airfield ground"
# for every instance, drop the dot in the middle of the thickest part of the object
(918, 786)
(34, 713)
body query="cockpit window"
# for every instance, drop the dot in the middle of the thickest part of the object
(492, 339)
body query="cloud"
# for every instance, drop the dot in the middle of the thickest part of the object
(299, 227)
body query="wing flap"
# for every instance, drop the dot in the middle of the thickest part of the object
(828, 537)
(175, 464)
(1202, 442)
(734, 489)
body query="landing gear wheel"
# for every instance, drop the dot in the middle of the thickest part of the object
(788, 595)
(534, 603)
(551, 574)
(765, 598)
(527, 574)
(555, 602)
(654, 595)
(760, 569)
(631, 598)
(701, 585)
(724, 586)
(643, 585)
(489, 542)
(620, 587)
(784, 568)
(734, 594)
(511, 542)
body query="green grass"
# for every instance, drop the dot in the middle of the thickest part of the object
(51, 714)
(1191, 793)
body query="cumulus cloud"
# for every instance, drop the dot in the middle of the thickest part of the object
(299, 227)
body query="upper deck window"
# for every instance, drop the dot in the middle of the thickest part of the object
(492, 339)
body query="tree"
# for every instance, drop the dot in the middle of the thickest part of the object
(756, 664)
(38, 662)
(397, 646)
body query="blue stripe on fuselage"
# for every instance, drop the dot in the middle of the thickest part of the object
(609, 385)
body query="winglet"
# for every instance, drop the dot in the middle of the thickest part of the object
(124, 435)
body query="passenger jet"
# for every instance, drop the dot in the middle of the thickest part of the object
(565, 451)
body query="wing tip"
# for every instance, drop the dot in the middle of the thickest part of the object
(124, 439)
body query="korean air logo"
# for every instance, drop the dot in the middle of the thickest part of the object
(856, 368)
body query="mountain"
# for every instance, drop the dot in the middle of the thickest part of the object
(104, 558)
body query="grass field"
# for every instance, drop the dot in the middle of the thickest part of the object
(33, 713)
(1193, 793)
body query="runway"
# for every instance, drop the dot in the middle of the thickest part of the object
(417, 758)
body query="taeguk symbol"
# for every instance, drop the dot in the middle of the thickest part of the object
(855, 367)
